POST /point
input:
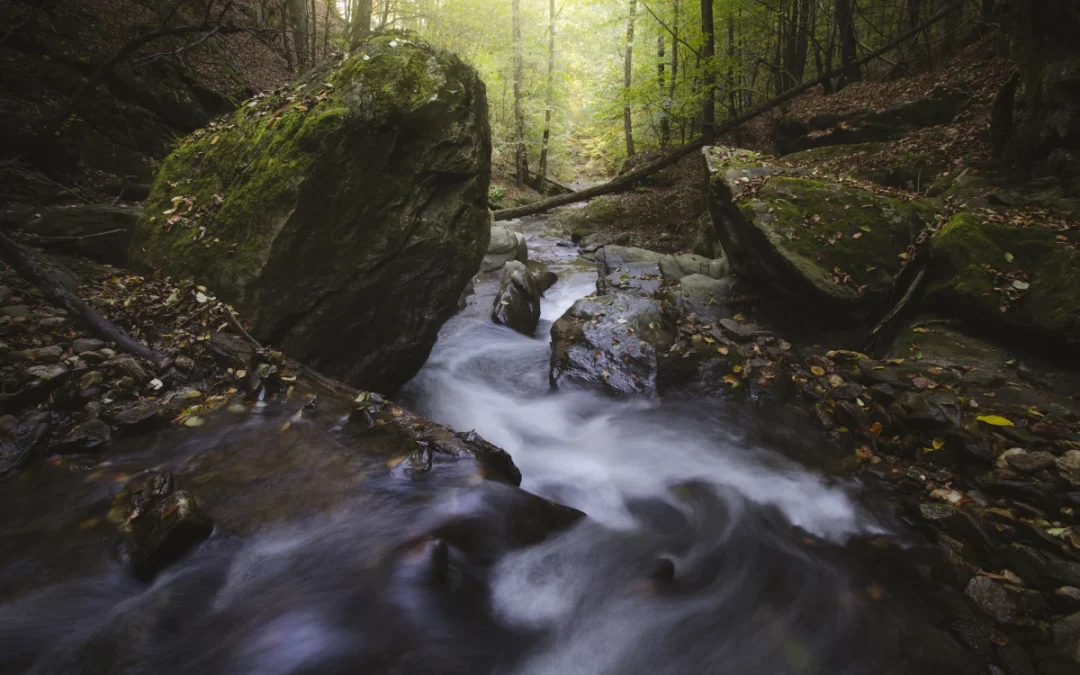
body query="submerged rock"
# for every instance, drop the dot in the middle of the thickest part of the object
(355, 211)
(517, 304)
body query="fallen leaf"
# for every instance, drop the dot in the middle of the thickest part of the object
(1009, 257)
(817, 370)
(995, 420)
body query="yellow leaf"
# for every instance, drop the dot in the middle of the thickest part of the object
(740, 317)
(817, 370)
(736, 368)
(708, 340)
(875, 429)
(214, 139)
(939, 443)
(732, 380)
(722, 350)
(995, 420)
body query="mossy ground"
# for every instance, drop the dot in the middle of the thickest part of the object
(235, 184)
(976, 258)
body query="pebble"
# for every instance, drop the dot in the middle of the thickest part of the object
(47, 372)
(50, 354)
(87, 345)
(16, 311)
(991, 598)
(52, 322)
(93, 358)
(1030, 462)
(91, 379)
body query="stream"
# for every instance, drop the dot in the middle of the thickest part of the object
(716, 540)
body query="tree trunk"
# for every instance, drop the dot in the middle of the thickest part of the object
(665, 102)
(674, 58)
(521, 160)
(914, 12)
(708, 50)
(298, 12)
(541, 173)
(628, 128)
(849, 41)
(359, 23)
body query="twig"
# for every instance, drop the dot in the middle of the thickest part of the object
(235, 323)
(38, 240)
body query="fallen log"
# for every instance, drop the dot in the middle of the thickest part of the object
(22, 261)
(627, 181)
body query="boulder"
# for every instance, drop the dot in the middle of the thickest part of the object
(705, 296)
(603, 213)
(640, 271)
(517, 304)
(810, 240)
(1024, 280)
(505, 245)
(609, 342)
(343, 215)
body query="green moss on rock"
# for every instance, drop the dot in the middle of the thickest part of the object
(976, 263)
(320, 206)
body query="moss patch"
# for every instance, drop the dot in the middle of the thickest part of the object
(223, 194)
(976, 262)
(845, 240)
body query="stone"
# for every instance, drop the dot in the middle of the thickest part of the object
(706, 297)
(517, 303)
(83, 345)
(675, 267)
(505, 245)
(16, 311)
(1047, 307)
(992, 599)
(50, 354)
(87, 436)
(166, 529)
(91, 379)
(53, 322)
(627, 269)
(1030, 462)
(19, 442)
(609, 342)
(130, 367)
(837, 246)
(349, 235)
(93, 358)
(47, 372)
(5, 294)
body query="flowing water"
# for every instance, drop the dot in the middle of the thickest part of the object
(714, 543)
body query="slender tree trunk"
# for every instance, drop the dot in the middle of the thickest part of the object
(674, 61)
(521, 160)
(359, 23)
(628, 63)
(313, 20)
(298, 12)
(708, 50)
(849, 41)
(326, 29)
(541, 174)
(665, 102)
(385, 14)
(913, 12)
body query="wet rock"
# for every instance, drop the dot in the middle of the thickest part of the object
(517, 304)
(19, 441)
(609, 342)
(992, 599)
(594, 242)
(1067, 635)
(83, 345)
(144, 414)
(545, 278)
(87, 436)
(505, 245)
(1030, 462)
(93, 358)
(163, 529)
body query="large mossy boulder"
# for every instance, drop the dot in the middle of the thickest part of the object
(835, 245)
(1024, 280)
(343, 215)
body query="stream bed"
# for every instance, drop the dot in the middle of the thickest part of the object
(716, 541)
